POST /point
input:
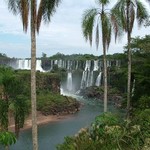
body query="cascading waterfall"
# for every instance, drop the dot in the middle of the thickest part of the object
(51, 67)
(108, 63)
(86, 75)
(88, 78)
(87, 65)
(77, 65)
(118, 63)
(38, 66)
(24, 64)
(86, 71)
(91, 78)
(83, 80)
(98, 80)
(95, 65)
(69, 81)
(69, 65)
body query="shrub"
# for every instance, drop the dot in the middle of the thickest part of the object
(109, 132)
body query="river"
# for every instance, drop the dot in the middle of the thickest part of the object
(53, 133)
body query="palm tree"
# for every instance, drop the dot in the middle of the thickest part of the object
(96, 18)
(126, 11)
(45, 10)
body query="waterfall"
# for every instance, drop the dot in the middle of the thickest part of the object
(63, 64)
(83, 80)
(95, 65)
(51, 67)
(69, 65)
(86, 73)
(87, 65)
(24, 64)
(108, 63)
(98, 80)
(55, 62)
(38, 66)
(88, 78)
(77, 64)
(59, 63)
(118, 63)
(91, 79)
(69, 81)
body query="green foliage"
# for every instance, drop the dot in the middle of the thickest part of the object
(55, 68)
(142, 118)
(73, 57)
(143, 103)
(118, 79)
(3, 55)
(7, 138)
(68, 144)
(13, 98)
(141, 71)
(106, 119)
(109, 132)
(4, 114)
(49, 103)
(20, 110)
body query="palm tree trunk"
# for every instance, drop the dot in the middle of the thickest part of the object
(129, 63)
(104, 61)
(105, 79)
(33, 75)
(6, 147)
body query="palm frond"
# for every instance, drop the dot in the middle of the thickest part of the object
(119, 13)
(46, 10)
(88, 23)
(116, 23)
(13, 6)
(132, 17)
(109, 36)
(39, 14)
(142, 13)
(20, 7)
(102, 2)
(24, 12)
(106, 29)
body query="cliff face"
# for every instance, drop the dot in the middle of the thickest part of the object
(74, 74)
(48, 81)
(44, 81)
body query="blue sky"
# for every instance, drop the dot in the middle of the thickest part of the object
(62, 35)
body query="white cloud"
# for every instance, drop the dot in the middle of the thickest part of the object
(63, 34)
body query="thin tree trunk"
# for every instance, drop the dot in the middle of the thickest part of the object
(6, 147)
(16, 128)
(104, 63)
(33, 75)
(105, 79)
(129, 64)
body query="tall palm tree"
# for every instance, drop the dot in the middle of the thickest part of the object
(126, 11)
(45, 10)
(96, 18)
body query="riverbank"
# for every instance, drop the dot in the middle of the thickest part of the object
(41, 119)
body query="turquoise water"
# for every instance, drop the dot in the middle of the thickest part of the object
(53, 133)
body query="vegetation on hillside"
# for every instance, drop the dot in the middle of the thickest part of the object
(15, 99)
(109, 131)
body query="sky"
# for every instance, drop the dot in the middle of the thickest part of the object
(63, 34)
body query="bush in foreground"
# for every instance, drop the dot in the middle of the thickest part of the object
(109, 132)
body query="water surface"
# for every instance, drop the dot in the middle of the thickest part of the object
(53, 133)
